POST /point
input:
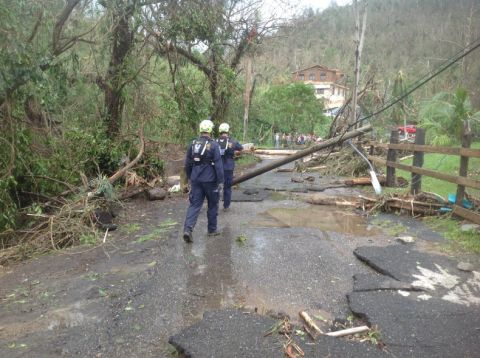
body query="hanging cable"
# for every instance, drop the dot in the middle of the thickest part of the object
(444, 66)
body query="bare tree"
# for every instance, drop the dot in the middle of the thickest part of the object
(359, 40)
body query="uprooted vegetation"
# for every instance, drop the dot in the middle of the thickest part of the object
(61, 221)
(79, 215)
(344, 162)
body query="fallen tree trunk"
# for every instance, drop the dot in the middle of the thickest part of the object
(315, 148)
(276, 151)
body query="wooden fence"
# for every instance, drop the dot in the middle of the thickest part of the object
(419, 148)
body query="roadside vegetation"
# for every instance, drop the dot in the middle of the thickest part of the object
(460, 240)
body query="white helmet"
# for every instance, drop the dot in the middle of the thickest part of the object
(224, 128)
(206, 126)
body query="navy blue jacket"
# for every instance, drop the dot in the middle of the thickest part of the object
(210, 169)
(228, 161)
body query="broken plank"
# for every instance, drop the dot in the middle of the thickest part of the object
(363, 181)
(466, 214)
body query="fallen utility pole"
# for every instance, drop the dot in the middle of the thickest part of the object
(302, 153)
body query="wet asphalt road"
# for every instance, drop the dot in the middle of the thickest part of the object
(126, 299)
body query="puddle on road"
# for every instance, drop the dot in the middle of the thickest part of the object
(323, 218)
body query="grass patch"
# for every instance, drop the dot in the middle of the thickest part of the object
(87, 239)
(448, 164)
(131, 228)
(155, 234)
(247, 159)
(159, 233)
(451, 230)
(393, 229)
(277, 196)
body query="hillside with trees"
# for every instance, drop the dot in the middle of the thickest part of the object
(412, 36)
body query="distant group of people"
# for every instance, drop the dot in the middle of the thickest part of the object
(287, 140)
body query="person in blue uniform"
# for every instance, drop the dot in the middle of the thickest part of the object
(228, 148)
(204, 170)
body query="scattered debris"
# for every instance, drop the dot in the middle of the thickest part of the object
(241, 239)
(173, 180)
(275, 151)
(406, 239)
(310, 323)
(156, 194)
(312, 169)
(250, 147)
(470, 228)
(465, 266)
(421, 204)
(292, 349)
(174, 189)
(362, 181)
(297, 179)
(348, 331)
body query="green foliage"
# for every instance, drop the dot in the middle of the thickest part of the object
(163, 228)
(290, 108)
(447, 164)
(443, 117)
(103, 187)
(87, 239)
(8, 207)
(465, 241)
(241, 239)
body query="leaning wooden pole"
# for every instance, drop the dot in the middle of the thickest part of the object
(302, 153)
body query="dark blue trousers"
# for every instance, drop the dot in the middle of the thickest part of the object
(197, 194)
(227, 188)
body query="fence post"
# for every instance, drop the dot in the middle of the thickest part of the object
(466, 142)
(392, 157)
(418, 162)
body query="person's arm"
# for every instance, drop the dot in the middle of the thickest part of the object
(237, 149)
(217, 160)
(188, 162)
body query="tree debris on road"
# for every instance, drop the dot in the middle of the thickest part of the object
(422, 204)
(310, 322)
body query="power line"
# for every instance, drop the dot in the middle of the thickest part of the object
(419, 83)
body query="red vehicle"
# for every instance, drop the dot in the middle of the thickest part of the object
(410, 129)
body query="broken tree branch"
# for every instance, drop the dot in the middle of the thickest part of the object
(348, 331)
(310, 323)
(120, 173)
